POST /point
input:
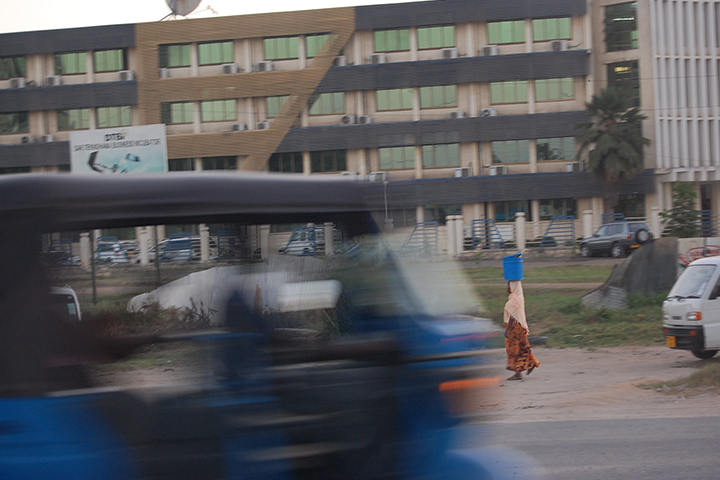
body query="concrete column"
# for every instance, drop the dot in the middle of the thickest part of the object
(264, 241)
(460, 234)
(329, 240)
(587, 223)
(655, 224)
(96, 234)
(520, 231)
(144, 245)
(204, 243)
(451, 236)
(418, 163)
(85, 252)
(420, 213)
(307, 164)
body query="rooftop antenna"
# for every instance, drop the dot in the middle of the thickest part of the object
(181, 7)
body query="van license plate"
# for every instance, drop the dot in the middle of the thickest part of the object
(670, 341)
(635, 246)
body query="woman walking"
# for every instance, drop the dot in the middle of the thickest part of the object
(517, 346)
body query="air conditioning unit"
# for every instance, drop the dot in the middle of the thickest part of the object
(264, 125)
(229, 68)
(449, 53)
(463, 172)
(489, 50)
(340, 61)
(573, 167)
(127, 75)
(377, 177)
(53, 80)
(19, 82)
(238, 127)
(457, 114)
(498, 170)
(347, 119)
(365, 119)
(488, 112)
(27, 139)
(265, 66)
(559, 45)
(47, 138)
(163, 73)
(376, 58)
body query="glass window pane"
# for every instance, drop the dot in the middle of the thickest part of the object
(12, 67)
(404, 43)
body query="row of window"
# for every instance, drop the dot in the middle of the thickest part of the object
(70, 63)
(71, 119)
(398, 40)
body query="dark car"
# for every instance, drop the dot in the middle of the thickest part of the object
(616, 239)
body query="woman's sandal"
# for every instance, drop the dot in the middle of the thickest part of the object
(515, 377)
(530, 370)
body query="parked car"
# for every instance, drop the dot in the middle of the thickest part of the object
(175, 249)
(616, 239)
(64, 301)
(111, 252)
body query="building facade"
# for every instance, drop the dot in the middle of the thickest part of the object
(462, 106)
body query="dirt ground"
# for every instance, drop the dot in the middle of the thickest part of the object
(579, 384)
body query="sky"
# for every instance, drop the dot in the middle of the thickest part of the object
(29, 15)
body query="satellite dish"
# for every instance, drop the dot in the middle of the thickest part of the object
(182, 7)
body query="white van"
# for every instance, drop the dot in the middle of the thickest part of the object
(691, 312)
(64, 302)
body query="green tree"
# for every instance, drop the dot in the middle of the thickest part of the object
(683, 217)
(614, 140)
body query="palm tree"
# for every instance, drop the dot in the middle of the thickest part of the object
(614, 139)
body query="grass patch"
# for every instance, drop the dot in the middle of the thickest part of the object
(555, 274)
(705, 379)
(560, 315)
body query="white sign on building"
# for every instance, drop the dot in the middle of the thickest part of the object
(141, 149)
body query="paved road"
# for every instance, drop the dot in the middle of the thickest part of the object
(616, 449)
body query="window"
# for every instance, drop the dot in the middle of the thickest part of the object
(621, 27)
(557, 207)
(556, 148)
(70, 63)
(511, 91)
(511, 151)
(172, 56)
(114, 117)
(441, 155)
(215, 53)
(552, 29)
(12, 67)
(436, 37)
(8, 170)
(75, 119)
(313, 43)
(403, 217)
(552, 89)
(633, 206)
(218, 110)
(394, 99)
(109, 60)
(397, 158)
(274, 104)
(392, 40)
(181, 164)
(331, 161)
(177, 113)
(512, 31)
(328, 104)
(506, 211)
(14, 123)
(437, 213)
(286, 162)
(282, 48)
(438, 96)
(626, 76)
(219, 163)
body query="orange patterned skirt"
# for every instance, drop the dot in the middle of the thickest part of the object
(517, 346)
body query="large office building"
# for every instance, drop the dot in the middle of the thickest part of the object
(462, 106)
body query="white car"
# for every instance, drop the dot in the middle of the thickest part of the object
(64, 302)
(111, 253)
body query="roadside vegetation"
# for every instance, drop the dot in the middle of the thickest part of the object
(558, 313)
(706, 379)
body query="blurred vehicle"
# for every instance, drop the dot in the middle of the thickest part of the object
(110, 252)
(616, 239)
(380, 390)
(691, 312)
(59, 253)
(310, 240)
(180, 247)
(131, 247)
(64, 301)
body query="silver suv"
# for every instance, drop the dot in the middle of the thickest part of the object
(616, 239)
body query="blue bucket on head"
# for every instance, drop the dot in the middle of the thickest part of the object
(513, 266)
